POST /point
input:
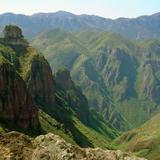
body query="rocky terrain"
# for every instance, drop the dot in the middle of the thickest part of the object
(14, 145)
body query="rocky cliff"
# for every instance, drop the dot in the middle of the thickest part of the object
(16, 105)
(40, 81)
(26, 80)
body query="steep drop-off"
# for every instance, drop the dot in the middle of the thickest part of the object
(32, 101)
(16, 105)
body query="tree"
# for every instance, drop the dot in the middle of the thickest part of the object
(12, 32)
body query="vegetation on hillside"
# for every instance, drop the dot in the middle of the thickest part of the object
(113, 72)
(144, 141)
(58, 112)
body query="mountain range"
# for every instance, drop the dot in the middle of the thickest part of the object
(118, 76)
(93, 81)
(34, 101)
(144, 27)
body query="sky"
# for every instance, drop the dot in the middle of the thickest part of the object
(105, 8)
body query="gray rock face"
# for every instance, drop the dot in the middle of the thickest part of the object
(18, 146)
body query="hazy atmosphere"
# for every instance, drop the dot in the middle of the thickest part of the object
(79, 79)
(104, 8)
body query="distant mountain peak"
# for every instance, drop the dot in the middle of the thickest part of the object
(59, 13)
(156, 14)
(64, 12)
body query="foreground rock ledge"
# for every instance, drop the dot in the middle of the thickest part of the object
(15, 145)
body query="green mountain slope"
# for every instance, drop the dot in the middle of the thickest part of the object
(113, 72)
(64, 47)
(82, 67)
(34, 101)
(144, 141)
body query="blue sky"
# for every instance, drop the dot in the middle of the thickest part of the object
(105, 8)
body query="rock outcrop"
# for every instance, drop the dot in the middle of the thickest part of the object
(16, 145)
(77, 101)
(63, 78)
(25, 79)
(40, 81)
(16, 105)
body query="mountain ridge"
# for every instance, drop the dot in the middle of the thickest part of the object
(33, 100)
(143, 27)
(113, 71)
(70, 13)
